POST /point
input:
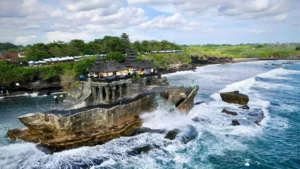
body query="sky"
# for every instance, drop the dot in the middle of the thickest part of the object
(25, 22)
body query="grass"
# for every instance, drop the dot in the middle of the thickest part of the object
(244, 51)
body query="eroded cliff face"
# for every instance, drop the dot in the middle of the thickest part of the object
(94, 126)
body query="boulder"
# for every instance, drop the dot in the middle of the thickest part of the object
(171, 135)
(245, 107)
(142, 130)
(188, 134)
(235, 98)
(256, 116)
(229, 112)
(235, 123)
(198, 103)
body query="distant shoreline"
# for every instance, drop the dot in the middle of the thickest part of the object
(47, 91)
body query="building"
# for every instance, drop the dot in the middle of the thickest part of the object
(142, 67)
(11, 57)
(103, 69)
(110, 81)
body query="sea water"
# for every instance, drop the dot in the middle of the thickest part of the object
(273, 90)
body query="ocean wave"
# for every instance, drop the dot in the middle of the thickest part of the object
(278, 74)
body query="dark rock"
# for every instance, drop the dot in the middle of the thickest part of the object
(235, 97)
(235, 123)
(44, 149)
(245, 107)
(198, 103)
(256, 117)
(229, 112)
(188, 134)
(198, 119)
(171, 135)
(139, 150)
(148, 130)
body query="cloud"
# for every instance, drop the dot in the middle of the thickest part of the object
(176, 21)
(246, 9)
(67, 36)
(259, 31)
(23, 40)
(83, 5)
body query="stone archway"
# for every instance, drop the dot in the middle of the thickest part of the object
(104, 95)
(124, 89)
(97, 93)
(118, 94)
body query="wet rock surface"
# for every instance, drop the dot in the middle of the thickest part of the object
(235, 97)
(245, 107)
(229, 112)
(235, 123)
(171, 135)
(94, 126)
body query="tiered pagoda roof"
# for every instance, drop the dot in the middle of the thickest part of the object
(131, 61)
(102, 66)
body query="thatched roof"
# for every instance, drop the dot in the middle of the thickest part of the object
(102, 66)
(145, 64)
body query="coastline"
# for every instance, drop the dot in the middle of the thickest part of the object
(172, 69)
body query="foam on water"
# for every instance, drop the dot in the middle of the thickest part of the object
(215, 136)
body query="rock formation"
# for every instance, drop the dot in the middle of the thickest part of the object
(229, 112)
(95, 125)
(235, 97)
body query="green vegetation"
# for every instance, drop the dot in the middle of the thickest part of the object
(9, 47)
(108, 45)
(165, 60)
(10, 74)
(245, 51)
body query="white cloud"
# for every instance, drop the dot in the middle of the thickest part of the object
(258, 31)
(67, 36)
(23, 40)
(281, 17)
(83, 5)
(163, 22)
(246, 9)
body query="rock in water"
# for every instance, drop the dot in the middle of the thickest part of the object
(229, 112)
(235, 123)
(171, 135)
(189, 133)
(245, 107)
(148, 130)
(235, 97)
(198, 103)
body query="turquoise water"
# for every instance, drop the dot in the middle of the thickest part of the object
(273, 90)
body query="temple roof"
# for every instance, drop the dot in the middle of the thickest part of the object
(102, 66)
(145, 64)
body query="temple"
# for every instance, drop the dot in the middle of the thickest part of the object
(110, 82)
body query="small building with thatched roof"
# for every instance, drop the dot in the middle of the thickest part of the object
(102, 68)
(134, 66)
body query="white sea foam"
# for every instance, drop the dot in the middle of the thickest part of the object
(215, 136)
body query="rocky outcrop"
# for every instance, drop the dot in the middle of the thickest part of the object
(92, 126)
(229, 112)
(235, 123)
(235, 97)
(176, 67)
(245, 107)
(203, 60)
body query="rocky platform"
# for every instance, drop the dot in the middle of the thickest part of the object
(96, 125)
(252, 115)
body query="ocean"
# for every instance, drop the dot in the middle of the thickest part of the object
(272, 86)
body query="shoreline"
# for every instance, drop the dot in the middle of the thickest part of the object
(187, 67)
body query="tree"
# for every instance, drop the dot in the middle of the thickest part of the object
(126, 41)
(298, 47)
(115, 56)
(77, 45)
(36, 52)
